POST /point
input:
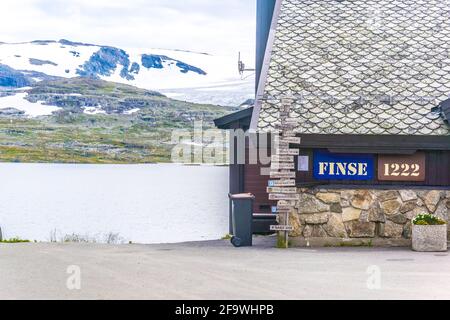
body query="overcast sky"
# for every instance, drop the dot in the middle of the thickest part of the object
(214, 26)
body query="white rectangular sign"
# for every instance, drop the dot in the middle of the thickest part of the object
(303, 163)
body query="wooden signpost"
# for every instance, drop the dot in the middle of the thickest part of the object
(283, 168)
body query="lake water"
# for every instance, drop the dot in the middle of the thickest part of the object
(157, 203)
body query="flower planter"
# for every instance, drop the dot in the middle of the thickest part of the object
(429, 238)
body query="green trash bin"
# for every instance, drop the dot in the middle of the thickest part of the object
(242, 219)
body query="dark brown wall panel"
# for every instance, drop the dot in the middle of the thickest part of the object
(437, 175)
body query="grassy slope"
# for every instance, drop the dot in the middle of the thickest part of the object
(71, 136)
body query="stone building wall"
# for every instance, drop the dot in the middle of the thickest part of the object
(364, 213)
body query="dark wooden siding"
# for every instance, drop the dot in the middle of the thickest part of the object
(257, 184)
(437, 175)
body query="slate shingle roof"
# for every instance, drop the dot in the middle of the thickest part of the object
(360, 66)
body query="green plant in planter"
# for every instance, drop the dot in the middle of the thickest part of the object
(427, 219)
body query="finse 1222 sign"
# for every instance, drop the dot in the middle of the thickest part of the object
(335, 166)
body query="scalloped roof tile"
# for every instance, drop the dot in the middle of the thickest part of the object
(360, 66)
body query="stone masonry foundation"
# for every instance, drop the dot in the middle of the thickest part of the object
(325, 216)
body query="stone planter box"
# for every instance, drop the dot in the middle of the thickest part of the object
(429, 238)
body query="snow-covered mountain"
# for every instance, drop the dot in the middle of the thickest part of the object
(190, 76)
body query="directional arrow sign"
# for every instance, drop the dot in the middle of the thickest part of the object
(286, 203)
(282, 144)
(291, 121)
(284, 207)
(282, 175)
(278, 158)
(288, 152)
(288, 133)
(281, 228)
(285, 126)
(281, 190)
(281, 196)
(282, 183)
(296, 140)
(282, 165)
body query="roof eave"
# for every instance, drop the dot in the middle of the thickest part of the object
(226, 121)
(265, 67)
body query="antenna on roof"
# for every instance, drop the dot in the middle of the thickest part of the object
(241, 66)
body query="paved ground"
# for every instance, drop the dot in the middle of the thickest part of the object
(216, 270)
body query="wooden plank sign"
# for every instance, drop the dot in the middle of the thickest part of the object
(286, 203)
(278, 158)
(295, 140)
(291, 121)
(281, 228)
(288, 133)
(282, 145)
(285, 126)
(402, 167)
(282, 183)
(283, 196)
(280, 209)
(284, 208)
(281, 190)
(288, 152)
(282, 165)
(282, 175)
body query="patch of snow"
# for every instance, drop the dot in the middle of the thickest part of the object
(22, 89)
(131, 111)
(19, 102)
(53, 52)
(94, 110)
